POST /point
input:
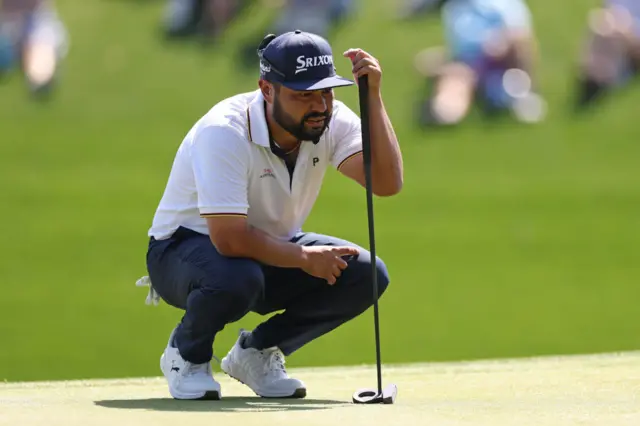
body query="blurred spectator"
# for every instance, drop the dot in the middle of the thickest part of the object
(612, 53)
(32, 38)
(182, 17)
(208, 18)
(413, 8)
(489, 58)
(315, 16)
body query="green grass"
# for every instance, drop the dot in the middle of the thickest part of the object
(508, 240)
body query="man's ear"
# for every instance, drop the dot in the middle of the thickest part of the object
(268, 91)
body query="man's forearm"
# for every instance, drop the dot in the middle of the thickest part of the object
(256, 244)
(386, 158)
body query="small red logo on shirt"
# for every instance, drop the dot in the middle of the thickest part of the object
(267, 172)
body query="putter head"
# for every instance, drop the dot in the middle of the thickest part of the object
(371, 396)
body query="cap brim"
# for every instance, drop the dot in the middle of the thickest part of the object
(325, 83)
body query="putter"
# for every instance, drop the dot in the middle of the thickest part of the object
(389, 393)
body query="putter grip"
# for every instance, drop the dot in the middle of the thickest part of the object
(363, 91)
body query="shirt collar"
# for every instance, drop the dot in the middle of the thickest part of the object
(257, 122)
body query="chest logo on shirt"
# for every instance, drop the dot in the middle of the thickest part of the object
(315, 161)
(267, 173)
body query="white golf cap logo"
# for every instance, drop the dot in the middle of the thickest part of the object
(304, 63)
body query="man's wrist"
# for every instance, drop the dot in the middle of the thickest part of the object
(302, 259)
(375, 94)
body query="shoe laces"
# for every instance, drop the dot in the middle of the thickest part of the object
(274, 363)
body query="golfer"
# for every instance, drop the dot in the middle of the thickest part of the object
(226, 238)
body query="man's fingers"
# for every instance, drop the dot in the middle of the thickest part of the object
(364, 61)
(341, 263)
(357, 55)
(360, 56)
(337, 271)
(367, 64)
(363, 72)
(345, 251)
(351, 53)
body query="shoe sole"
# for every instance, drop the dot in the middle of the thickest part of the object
(297, 394)
(208, 396)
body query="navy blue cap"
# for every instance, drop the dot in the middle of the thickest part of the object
(299, 61)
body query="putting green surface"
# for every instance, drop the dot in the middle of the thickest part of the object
(578, 390)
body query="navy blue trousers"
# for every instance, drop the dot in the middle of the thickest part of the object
(214, 290)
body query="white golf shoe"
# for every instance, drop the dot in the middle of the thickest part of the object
(262, 370)
(187, 380)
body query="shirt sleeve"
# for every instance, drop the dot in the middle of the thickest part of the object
(220, 158)
(347, 136)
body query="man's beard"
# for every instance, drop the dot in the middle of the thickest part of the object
(298, 129)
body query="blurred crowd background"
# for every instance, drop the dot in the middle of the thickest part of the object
(489, 57)
(517, 233)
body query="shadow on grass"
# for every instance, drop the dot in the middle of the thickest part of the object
(227, 404)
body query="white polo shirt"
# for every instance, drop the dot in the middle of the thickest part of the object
(225, 166)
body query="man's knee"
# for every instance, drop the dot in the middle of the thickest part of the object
(383, 276)
(365, 275)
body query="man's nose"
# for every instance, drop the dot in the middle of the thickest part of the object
(319, 104)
